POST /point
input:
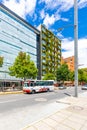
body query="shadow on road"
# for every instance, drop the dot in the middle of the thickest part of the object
(67, 94)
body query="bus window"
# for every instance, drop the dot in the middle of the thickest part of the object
(42, 83)
(31, 84)
(51, 83)
(37, 83)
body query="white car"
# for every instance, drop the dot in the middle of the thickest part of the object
(62, 87)
(84, 87)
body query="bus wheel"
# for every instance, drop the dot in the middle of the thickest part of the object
(33, 91)
(48, 90)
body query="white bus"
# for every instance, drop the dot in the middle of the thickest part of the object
(33, 86)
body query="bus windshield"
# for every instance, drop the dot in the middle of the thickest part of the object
(26, 84)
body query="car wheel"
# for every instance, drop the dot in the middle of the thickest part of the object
(33, 91)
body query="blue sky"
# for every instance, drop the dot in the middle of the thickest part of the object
(55, 14)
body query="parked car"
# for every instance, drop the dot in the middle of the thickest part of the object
(62, 87)
(84, 87)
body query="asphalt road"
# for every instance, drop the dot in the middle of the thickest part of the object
(14, 101)
(18, 110)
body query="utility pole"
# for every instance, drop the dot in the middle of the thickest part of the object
(76, 45)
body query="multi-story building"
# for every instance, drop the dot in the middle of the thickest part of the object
(50, 51)
(69, 61)
(17, 35)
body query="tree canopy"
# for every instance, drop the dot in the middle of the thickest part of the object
(23, 67)
(82, 75)
(63, 73)
(71, 75)
(49, 76)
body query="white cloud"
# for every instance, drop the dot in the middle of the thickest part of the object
(22, 7)
(49, 20)
(16, 7)
(63, 5)
(60, 6)
(82, 3)
(68, 45)
(45, 1)
(30, 6)
(64, 19)
(59, 34)
(42, 14)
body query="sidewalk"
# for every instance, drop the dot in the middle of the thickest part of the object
(74, 117)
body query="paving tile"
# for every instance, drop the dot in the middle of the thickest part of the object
(30, 128)
(77, 119)
(80, 116)
(72, 124)
(66, 112)
(42, 126)
(50, 122)
(85, 104)
(63, 113)
(84, 128)
(62, 127)
(58, 118)
(81, 103)
(85, 124)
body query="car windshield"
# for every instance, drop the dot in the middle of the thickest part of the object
(85, 85)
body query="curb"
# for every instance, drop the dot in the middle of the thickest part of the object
(15, 92)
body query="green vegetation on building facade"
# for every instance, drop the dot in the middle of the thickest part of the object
(50, 52)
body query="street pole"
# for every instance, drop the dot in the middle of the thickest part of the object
(76, 46)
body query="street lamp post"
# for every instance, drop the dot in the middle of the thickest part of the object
(76, 46)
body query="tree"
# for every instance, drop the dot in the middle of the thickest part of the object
(63, 73)
(71, 75)
(1, 61)
(23, 67)
(85, 74)
(82, 75)
(49, 76)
